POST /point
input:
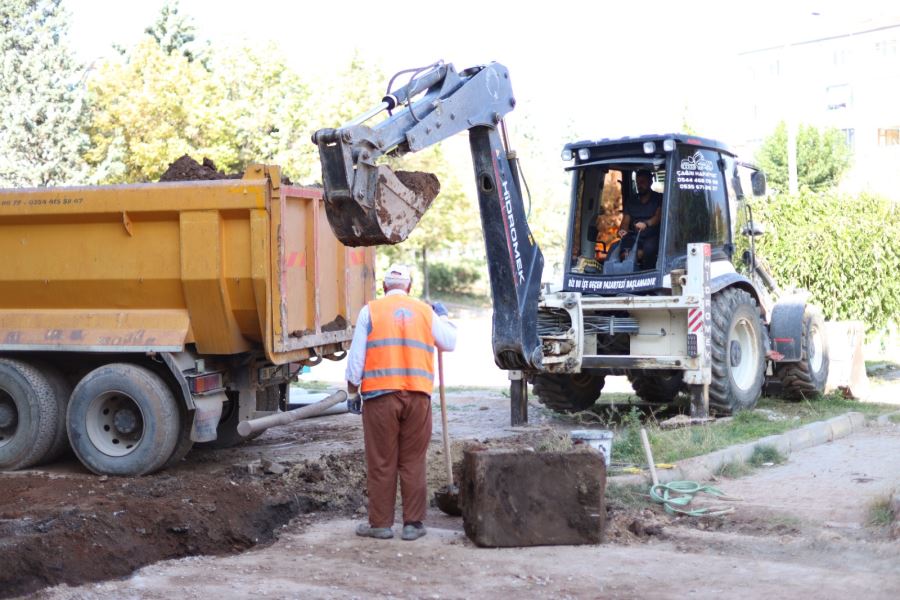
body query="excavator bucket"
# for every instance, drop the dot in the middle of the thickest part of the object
(368, 204)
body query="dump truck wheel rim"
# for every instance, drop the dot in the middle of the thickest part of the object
(816, 345)
(9, 418)
(115, 423)
(743, 354)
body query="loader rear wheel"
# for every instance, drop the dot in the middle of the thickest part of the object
(806, 378)
(568, 393)
(738, 356)
(123, 420)
(28, 415)
(660, 388)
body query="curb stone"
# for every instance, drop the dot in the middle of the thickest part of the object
(703, 468)
(886, 419)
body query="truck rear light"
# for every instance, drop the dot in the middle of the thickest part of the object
(692, 345)
(205, 383)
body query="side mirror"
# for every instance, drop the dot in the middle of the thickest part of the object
(758, 182)
(753, 228)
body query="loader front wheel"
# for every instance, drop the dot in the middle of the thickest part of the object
(123, 420)
(659, 388)
(568, 393)
(806, 378)
(738, 355)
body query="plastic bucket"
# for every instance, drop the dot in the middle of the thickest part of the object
(601, 439)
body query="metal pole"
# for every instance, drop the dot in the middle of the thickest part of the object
(518, 399)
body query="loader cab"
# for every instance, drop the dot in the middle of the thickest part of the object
(692, 178)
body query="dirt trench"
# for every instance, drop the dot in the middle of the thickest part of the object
(78, 528)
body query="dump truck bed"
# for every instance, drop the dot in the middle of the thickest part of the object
(229, 265)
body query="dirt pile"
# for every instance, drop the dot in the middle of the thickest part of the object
(424, 185)
(79, 528)
(188, 169)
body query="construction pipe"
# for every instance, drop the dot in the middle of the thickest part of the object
(252, 426)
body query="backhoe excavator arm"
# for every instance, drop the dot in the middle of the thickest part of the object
(367, 204)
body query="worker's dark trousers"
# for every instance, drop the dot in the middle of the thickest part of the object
(397, 430)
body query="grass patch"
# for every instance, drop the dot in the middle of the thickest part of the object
(880, 513)
(629, 495)
(765, 454)
(894, 418)
(734, 469)
(313, 385)
(677, 444)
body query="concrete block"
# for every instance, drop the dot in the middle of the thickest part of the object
(841, 426)
(800, 439)
(857, 420)
(515, 497)
(847, 367)
(782, 443)
(820, 432)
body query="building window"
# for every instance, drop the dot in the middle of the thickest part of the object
(850, 137)
(889, 136)
(838, 97)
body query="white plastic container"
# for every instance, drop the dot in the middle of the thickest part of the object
(601, 439)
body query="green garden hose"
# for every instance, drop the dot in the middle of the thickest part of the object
(685, 492)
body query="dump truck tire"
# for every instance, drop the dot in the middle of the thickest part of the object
(806, 378)
(123, 420)
(568, 393)
(185, 443)
(28, 415)
(658, 389)
(62, 390)
(738, 352)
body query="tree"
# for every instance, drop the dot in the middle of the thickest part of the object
(42, 107)
(174, 32)
(822, 157)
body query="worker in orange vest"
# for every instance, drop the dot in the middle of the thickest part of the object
(390, 377)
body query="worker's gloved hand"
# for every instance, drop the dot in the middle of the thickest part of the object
(354, 404)
(439, 309)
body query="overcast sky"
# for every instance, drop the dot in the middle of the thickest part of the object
(597, 69)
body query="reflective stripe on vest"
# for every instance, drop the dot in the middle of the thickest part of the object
(400, 346)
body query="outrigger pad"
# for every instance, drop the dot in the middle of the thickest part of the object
(384, 207)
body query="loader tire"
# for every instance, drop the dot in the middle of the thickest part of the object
(568, 393)
(806, 378)
(123, 420)
(738, 352)
(28, 415)
(658, 388)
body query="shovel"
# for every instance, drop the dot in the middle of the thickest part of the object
(446, 498)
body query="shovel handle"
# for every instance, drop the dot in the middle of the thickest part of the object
(448, 461)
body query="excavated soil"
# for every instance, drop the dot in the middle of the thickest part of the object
(78, 528)
(424, 185)
(188, 169)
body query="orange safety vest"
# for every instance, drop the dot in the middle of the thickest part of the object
(400, 346)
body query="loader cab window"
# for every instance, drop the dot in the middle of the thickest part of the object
(698, 204)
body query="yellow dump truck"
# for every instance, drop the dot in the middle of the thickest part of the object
(136, 320)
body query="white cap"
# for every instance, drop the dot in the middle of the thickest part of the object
(398, 274)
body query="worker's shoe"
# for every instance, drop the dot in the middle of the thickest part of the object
(379, 533)
(413, 531)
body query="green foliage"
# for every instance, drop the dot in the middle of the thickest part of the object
(822, 157)
(150, 107)
(844, 249)
(452, 279)
(880, 513)
(42, 106)
(174, 32)
(765, 454)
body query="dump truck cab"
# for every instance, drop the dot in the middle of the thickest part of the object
(700, 188)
